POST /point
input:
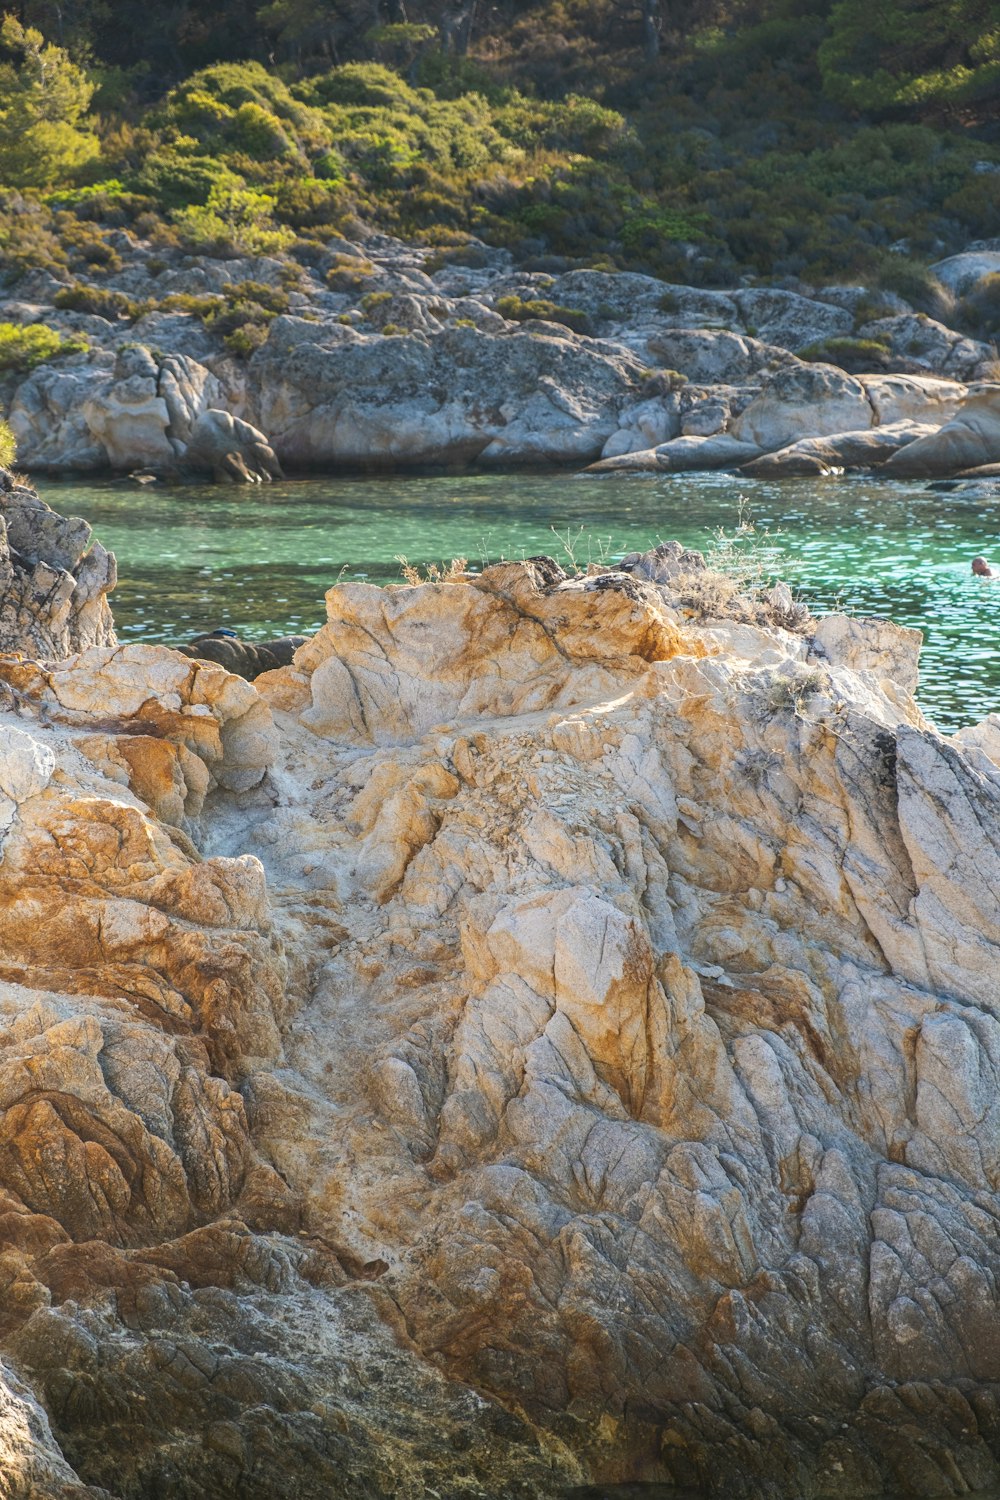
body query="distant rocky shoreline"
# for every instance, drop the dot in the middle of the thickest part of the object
(385, 355)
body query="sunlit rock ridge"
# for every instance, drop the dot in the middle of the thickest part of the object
(549, 1032)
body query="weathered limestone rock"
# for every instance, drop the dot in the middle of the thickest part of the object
(842, 450)
(662, 905)
(685, 455)
(804, 401)
(715, 355)
(152, 1260)
(338, 396)
(913, 398)
(53, 581)
(931, 343)
(962, 273)
(231, 450)
(971, 439)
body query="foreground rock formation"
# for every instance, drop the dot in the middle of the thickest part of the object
(54, 578)
(390, 355)
(547, 1032)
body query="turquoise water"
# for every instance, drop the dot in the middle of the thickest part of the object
(259, 559)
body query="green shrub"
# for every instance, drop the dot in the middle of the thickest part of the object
(99, 301)
(181, 178)
(234, 221)
(23, 346)
(188, 302)
(8, 446)
(913, 281)
(979, 309)
(246, 339)
(273, 299)
(856, 356)
(348, 274)
(521, 311)
(372, 300)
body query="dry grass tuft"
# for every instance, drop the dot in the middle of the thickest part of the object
(453, 572)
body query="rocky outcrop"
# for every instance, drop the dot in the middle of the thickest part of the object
(380, 361)
(230, 450)
(844, 450)
(575, 990)
(54, 579)
(460, 395)
(970, 440)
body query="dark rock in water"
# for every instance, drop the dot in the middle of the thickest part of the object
(54, 580)
(245, 658)
(231, 450)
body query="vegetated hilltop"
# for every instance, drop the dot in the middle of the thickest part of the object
(771, 139)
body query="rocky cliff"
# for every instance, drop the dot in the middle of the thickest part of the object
(380, 355)
(547, 1032)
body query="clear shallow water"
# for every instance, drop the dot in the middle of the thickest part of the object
(259, 560)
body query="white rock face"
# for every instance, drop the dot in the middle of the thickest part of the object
(969, 440)
(962, 273)
(54, 580)
(337, 396)
(802, 402)
(843, 450)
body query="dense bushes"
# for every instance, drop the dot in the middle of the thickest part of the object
(735, 155)
(23, 346)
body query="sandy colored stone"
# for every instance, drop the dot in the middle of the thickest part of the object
(589, 1006)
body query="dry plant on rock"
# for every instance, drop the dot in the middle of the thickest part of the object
(453, 572)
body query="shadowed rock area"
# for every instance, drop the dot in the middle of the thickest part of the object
(54, 580)
(545, 1033)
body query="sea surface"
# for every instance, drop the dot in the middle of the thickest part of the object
(259, 559)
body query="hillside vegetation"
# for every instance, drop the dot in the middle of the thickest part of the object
(773, 139)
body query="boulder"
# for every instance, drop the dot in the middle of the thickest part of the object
(230, 450)
(913, 398)
(644, 425)
(842, 450)
(54, 579)
(932, 344)
(244, 658)
(334, 395)
(47, 415)
(714, 355)
(969, 440)
(559, 1048)
(962, 273)
(788, 319)
(130, 418)
(804, 401)
(682, 455)
(721, 451)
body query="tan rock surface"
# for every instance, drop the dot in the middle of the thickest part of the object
(586, 988)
